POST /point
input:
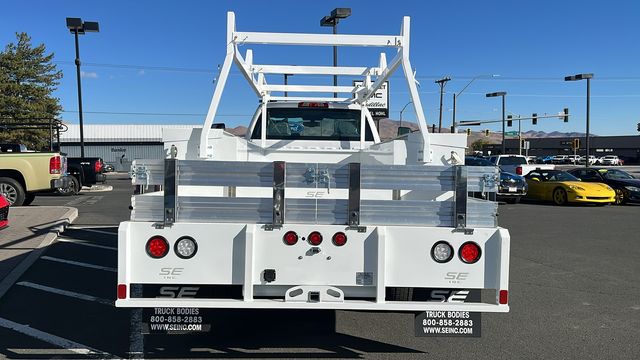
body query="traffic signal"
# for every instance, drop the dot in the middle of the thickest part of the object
(638, 126)
(534, 119)
(469, 130)
(509, 120)
(486, 132)
(576, 144)
(565, 118)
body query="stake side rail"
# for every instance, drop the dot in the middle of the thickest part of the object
(351, 194)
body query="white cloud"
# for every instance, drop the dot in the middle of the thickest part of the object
(140, 72)
(88, 74)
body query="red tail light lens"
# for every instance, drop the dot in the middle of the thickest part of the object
(504, 297)
(519, 170)
(469, 252)
(55, 165)
(157, 247)
(315, 238)
(98, 166)
(307, 104)
(290, 238)
(339, 239)
(122, 291)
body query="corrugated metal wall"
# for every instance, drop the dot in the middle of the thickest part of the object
(113, 154)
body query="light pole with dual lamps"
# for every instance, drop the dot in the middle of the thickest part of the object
(79, 27)
(332, 20)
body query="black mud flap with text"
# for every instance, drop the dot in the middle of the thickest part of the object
(449, 323)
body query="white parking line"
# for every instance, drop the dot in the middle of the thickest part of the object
(78, 263)
(65, 293)
(50, 338)
(84, 243)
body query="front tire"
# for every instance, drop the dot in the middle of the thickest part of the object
(12, 191)
(560, 197)
(620, 198)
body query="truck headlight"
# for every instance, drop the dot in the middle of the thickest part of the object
(442, 252)
(186, 247)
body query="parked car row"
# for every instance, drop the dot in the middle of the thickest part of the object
(545, 183)
(612, 160)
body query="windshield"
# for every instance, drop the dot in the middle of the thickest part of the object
(471, 161)
(616, 175)
(553, 175)
(312, 124)
(513, 160)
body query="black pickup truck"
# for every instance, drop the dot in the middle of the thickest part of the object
(81, 172)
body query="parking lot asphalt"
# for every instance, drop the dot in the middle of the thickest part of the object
(574, 294)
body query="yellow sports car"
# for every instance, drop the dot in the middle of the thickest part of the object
(562, 188)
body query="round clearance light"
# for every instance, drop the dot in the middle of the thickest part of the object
(470, 252)
(442, 252)
(185, 247)
(339, 239)
(157, 247)
(290, 238)
(315, 238)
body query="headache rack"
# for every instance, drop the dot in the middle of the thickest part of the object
(277, 193)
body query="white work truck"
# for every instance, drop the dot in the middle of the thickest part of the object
(311, 210)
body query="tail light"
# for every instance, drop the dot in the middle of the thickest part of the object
(315, 238)
(290, 238)
(469, 252)
(441, 252)
(122, 291)
(503, 299)
(55, 165)
(157, 247)
(186, 247)
(98, 166)
(307, 104)
(339, 239)
(519, 170)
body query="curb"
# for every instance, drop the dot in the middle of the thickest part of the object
(6, 283)
(98, 188)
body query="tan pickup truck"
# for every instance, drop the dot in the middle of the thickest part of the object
(23, 174)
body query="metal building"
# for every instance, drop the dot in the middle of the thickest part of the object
(117, 145)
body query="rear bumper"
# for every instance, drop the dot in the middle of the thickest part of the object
(346, 305)
(356, 275)
(59, 183)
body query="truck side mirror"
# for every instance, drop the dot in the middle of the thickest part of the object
(403, 130)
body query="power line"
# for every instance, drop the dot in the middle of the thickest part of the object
(153, 113)
(425, 77)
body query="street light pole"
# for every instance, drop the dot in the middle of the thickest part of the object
(333, 20)
(455, 96)
(442, 82)
(403, 108)
(78, 73)
(503, 94)
(78, 27)
(587, 77)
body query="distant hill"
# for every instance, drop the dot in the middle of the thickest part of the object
(389, 129)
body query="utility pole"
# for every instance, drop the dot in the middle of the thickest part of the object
(442, 82)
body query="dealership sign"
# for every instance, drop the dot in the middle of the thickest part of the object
(378, 103)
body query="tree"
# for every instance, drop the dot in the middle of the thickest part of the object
(479, 144)
(28, 79)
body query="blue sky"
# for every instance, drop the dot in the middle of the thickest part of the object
(160, 57)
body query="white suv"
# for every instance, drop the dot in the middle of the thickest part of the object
(609, 160)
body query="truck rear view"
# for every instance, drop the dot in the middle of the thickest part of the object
(311, 210)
